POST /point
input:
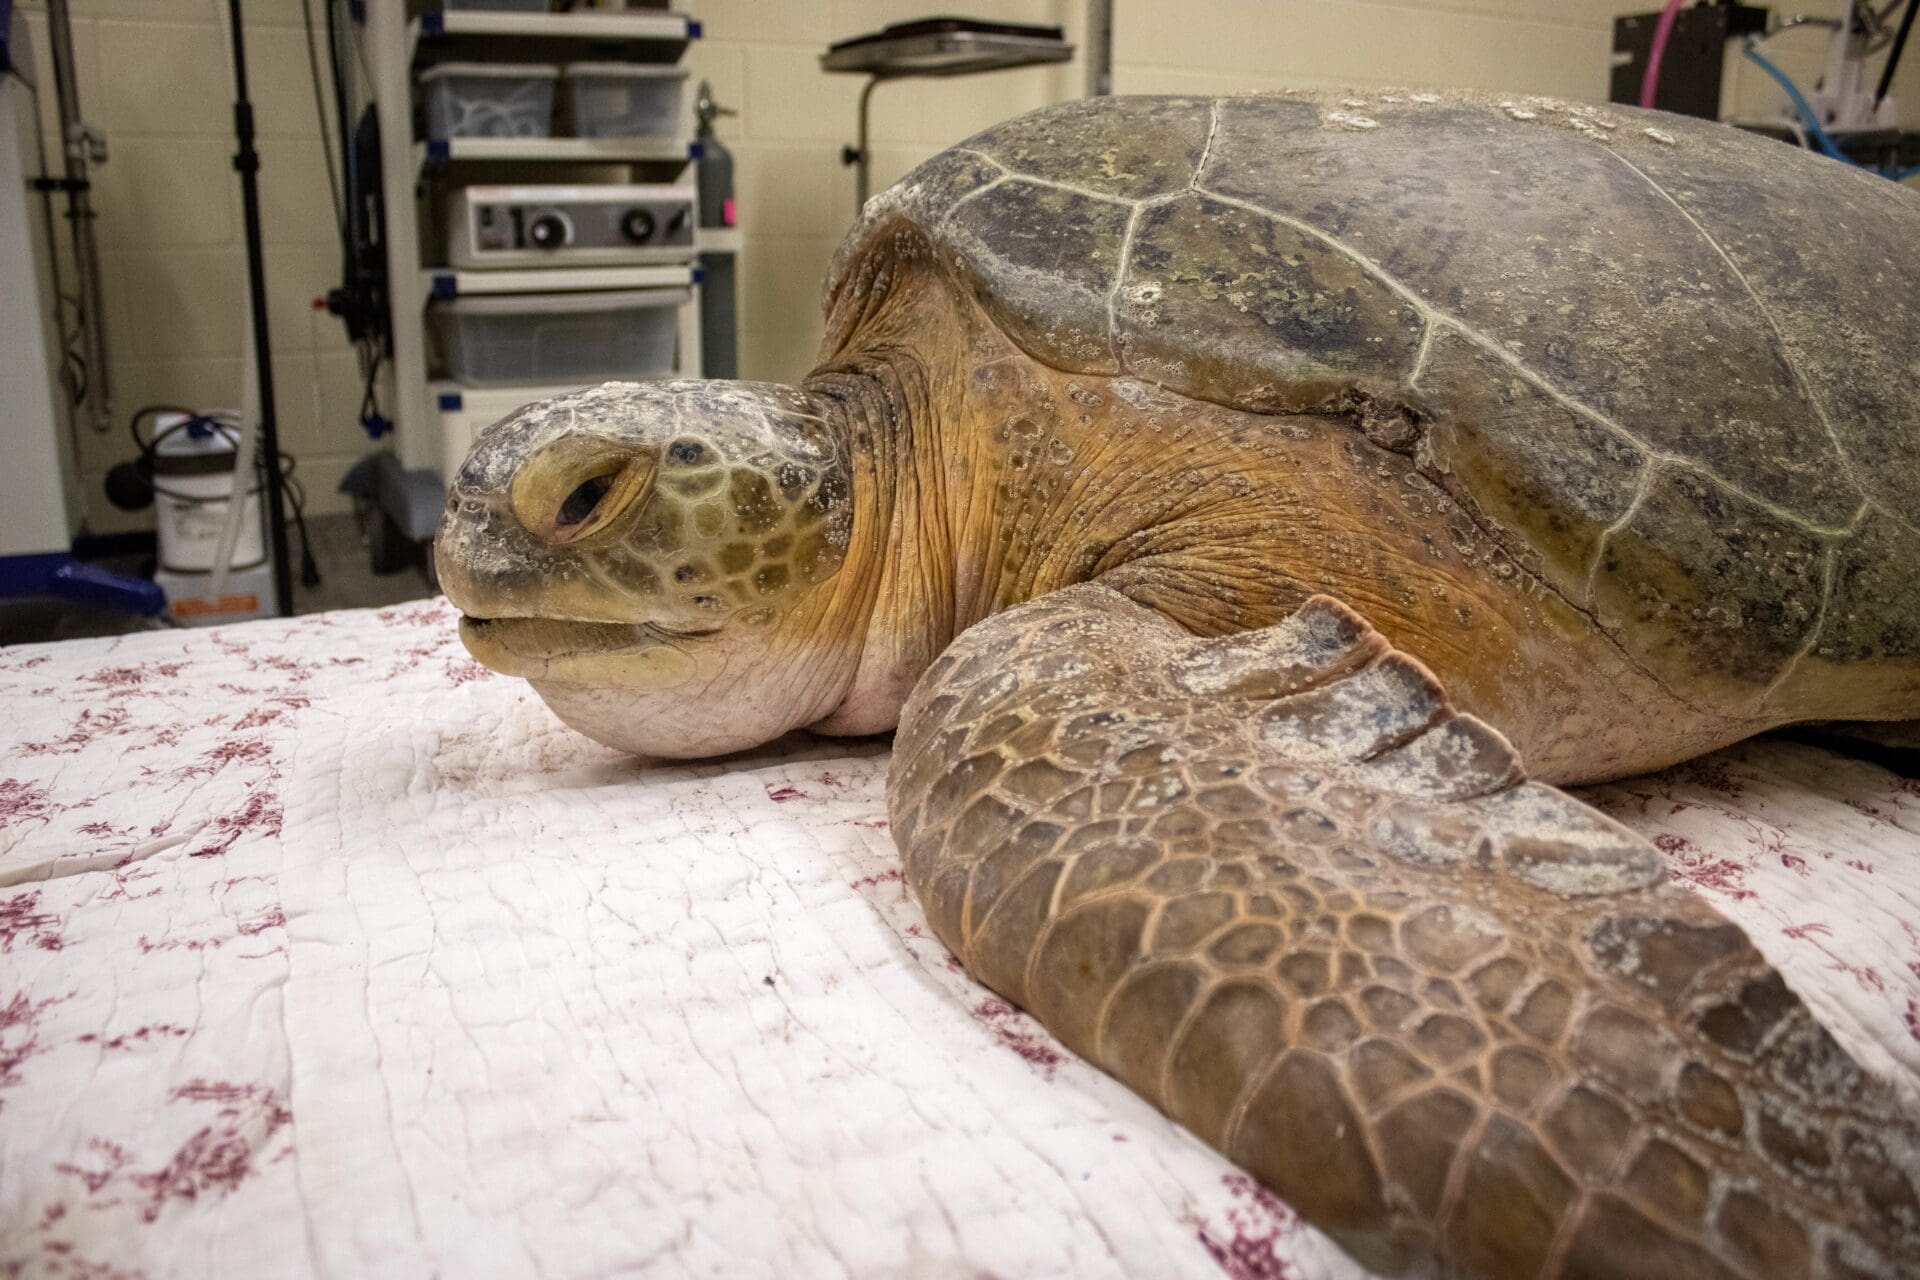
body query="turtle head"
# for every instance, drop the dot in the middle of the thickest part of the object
(655, 558)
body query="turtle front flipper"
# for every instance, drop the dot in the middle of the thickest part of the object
(1278, 886)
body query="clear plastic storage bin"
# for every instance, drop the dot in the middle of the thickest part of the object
(622, 100)
(531, 338)
(490, 99)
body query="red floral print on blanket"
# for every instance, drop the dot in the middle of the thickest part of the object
(20, 1034)
(22, 921)
(1259, 1229)
(1021, 1033)
(25, 802)
(215, 1159)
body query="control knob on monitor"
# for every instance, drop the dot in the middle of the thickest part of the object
(549, 229)
(637, 225)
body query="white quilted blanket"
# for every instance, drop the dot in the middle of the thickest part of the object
(325, 953)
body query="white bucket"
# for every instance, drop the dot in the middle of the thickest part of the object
(193, 486)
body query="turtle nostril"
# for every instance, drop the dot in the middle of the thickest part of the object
(581, 502)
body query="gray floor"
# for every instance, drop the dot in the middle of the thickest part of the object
(345, 580)
(339, 553)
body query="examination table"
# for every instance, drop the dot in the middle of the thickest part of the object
(325, 952)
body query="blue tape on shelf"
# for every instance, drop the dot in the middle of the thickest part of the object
(433, 23)
(450, 402)
(693, 28)
(438, 150)
(695, 150)
(446, 284)
(699, 274)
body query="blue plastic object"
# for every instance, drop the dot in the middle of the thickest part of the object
(90, 584)
(28, 575)
(57, 573)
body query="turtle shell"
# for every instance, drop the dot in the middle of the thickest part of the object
(1673, 367)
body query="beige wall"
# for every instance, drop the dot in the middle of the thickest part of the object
(796, 197)
(153, 74)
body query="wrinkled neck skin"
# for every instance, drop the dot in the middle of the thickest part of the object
(998, 479)
(949, 516)
(888, 388)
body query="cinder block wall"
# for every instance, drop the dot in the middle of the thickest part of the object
(153, 74)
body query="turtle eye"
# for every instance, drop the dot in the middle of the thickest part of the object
(592, 503)
(581, 502)
(574, 489)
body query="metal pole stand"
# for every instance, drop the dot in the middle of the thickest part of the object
(247, 161)
(859, 155)
(934, 47)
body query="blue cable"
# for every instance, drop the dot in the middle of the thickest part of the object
(1811, 119)
(1808, 116)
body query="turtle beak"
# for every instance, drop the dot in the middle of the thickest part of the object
(484, 596)
(485, 565)
(490, 568)
(627, 655)
(455, 582)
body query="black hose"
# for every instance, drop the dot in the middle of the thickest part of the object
(146, 447)
(320, 110)
(297, 500)
(369, 403)
(349, 153)
(1893, 55)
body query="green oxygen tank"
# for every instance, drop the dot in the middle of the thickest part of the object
(719, 340)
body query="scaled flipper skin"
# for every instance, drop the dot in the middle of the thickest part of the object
(1279, 887)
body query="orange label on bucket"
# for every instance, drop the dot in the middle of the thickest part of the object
(200, 608)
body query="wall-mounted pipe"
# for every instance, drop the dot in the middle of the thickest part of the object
(83, 147)
(1099, 47)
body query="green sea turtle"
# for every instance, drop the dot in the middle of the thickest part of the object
(1248, 509)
